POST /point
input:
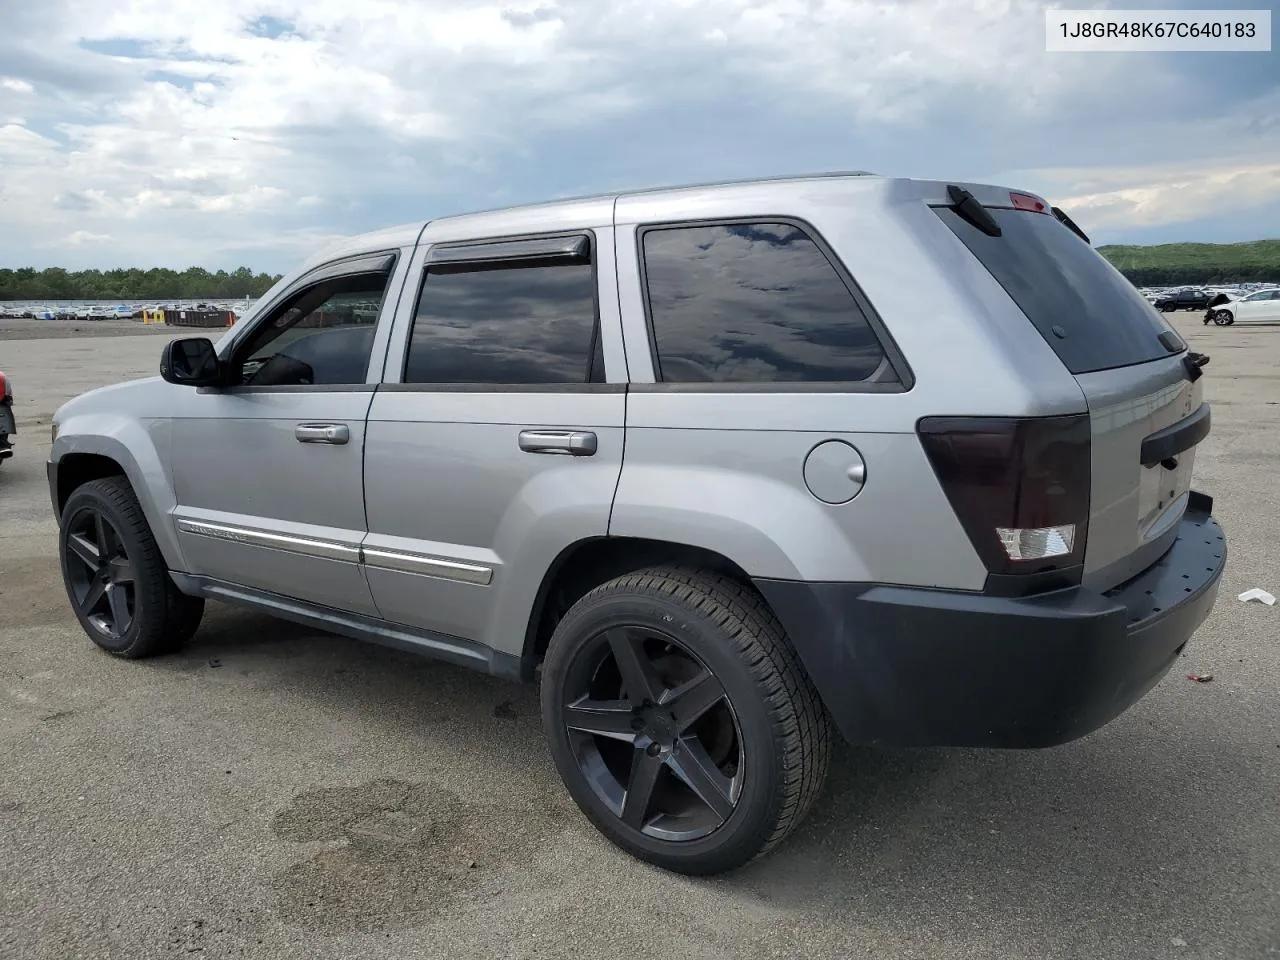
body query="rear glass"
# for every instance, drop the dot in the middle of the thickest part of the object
(1092, 317)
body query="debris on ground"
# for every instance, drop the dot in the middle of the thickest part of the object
(1200, 677)
(1257, 593)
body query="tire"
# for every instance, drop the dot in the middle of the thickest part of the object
(126, 603)
(1223, 318)
(727, 785)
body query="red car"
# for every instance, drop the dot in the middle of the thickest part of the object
(7, 427)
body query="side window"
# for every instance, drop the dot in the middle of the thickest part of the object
(753, 303)
(511, 322)
(323, 335)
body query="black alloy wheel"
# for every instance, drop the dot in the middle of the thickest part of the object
(681, 720)
(653, 732)
(116, 578)
(100, 576)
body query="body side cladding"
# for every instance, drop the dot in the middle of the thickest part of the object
(437, 646)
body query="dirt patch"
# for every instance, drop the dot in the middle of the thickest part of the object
(397, 854)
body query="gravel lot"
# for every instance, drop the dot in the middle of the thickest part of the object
(276, 792)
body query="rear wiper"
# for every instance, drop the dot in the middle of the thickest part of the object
(972, 211)
(1070, 224)
(1193, 362)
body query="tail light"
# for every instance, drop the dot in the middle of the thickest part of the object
(1020, 488)
(4, 387)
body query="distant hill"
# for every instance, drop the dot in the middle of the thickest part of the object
(1167, 264)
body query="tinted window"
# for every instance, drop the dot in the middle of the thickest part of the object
(1061, 282)
(513, 324)
(752, 303)
(323, 335)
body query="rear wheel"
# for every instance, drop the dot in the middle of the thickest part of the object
(116, 578)
(681, 720)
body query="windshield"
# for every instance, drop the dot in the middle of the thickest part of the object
(1092, 317)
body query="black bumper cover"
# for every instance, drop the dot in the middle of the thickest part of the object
(918, 667)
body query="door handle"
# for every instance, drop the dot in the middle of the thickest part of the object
(336, 433)
(575, 443)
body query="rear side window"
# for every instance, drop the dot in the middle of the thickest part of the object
(1092, 317)
(753, 303)
(508, 323)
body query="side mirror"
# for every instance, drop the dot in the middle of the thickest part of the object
(191, 362)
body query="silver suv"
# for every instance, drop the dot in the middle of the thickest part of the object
(729, 465)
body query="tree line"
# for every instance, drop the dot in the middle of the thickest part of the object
(1193, 276)
(158, 283)
(1168, 264)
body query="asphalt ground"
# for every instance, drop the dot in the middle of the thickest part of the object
(277, 792)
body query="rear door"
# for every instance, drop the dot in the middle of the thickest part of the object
(1129, 365)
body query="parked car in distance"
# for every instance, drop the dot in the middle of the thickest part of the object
(1262, 306)
(8, 428)
(1183, 300)
(695, 456)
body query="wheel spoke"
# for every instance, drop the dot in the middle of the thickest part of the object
(691, 700)
(644, 774)
(608, 718)
(639, 681)
(84, 551)
(119, 605)
(100, 531)
(121, 570)
(97, 590)
(690, 762)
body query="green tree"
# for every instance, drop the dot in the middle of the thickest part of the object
(132, 283)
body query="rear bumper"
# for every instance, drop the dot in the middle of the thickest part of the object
(919, 667)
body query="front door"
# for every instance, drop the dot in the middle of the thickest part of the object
(498, 442)
(267, 472)
(1260, 307)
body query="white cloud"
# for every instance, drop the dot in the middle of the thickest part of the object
(1154, 196)
(81, 237)
(194, 136)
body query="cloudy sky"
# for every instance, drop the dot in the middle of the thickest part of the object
(222, 132)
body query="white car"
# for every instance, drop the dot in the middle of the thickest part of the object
(1261, 306)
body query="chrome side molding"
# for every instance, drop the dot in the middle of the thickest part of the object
(399, 561)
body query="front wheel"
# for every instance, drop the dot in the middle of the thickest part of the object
(681, 720)
(1223, 318)
(116, 577)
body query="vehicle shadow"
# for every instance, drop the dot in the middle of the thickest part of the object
(1112, 826)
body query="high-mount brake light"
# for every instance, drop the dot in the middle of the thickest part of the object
(1024, 201)
(1020, 487)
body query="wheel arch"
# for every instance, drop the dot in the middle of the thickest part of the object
(128, 450)
(584, 565)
